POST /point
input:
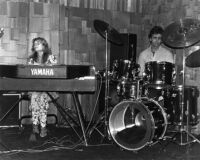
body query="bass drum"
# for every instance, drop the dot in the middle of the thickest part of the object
(136, 124)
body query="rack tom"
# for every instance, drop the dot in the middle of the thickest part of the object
(124, 69)
(159, 74)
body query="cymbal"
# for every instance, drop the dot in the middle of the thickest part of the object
(182, 34)
(193, 60)
(113, 35)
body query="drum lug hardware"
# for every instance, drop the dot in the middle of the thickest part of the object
(163, 78)
(165, 137)
(163, 125)
(136, 152)
(152, 143)
(149, 143)
(186, 113)
(165, 108)
(151, 112)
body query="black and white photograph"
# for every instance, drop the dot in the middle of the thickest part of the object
(99, 79)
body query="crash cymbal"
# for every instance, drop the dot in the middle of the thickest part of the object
(182, 34)
(193, 60)
(112, 35)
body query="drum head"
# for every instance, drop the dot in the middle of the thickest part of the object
(130, 125)
(135, 124)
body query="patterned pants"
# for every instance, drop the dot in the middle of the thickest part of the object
(39, 107)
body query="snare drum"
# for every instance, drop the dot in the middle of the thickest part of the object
(128, 89)
(159, 74)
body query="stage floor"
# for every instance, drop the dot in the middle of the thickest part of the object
(63, 144)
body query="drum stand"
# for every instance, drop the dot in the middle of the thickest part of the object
(184, 129)
(107, 82)
(181, 35)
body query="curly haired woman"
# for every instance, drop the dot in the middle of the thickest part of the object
(39, 104)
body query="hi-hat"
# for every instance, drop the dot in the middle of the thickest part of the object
(193, 60)
(113, 35)
(182, 34)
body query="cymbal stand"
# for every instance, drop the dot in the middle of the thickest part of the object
(182, 105)
(182, 128)
(104, 116)
(107, 81)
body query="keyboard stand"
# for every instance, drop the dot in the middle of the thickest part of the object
(22, 97)
(61, 110)
(79, 114)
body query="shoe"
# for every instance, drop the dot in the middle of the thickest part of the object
(35, 129)
(32, 137)
(43, 132)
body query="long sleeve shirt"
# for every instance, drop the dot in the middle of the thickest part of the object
(160, 55)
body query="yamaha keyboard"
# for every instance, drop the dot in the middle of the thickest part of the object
(60, 78)
(53, 72)
(73, 79)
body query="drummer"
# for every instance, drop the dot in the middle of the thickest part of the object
(155, 51)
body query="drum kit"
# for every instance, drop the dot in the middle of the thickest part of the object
(139, 119)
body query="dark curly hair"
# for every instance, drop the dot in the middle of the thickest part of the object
(47, 50)
(156, 30)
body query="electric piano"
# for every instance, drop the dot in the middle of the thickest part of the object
(74, 79)
(59, 78)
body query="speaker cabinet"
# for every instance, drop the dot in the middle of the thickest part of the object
(127, 50)
(9, 109)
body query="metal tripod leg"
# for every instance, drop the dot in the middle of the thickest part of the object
(80, 115)
(191, 136)
(13, 107)
(64, 113)
(94, 127)
(181, 132)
